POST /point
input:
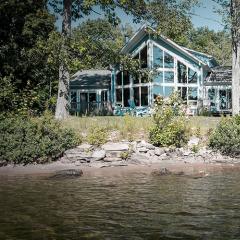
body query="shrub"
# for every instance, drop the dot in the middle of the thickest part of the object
(26, 140)
(226, 137)
(97, 135)
(170, 123)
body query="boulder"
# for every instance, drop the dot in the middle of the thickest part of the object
(143, 150)
(99, 154)
(193, 141)
(159, 151)
(67, 173)
(112, 159)
(115, 147)
(144, 144)
(166, 172)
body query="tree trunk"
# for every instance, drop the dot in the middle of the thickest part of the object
(62, 107)
(235, 16)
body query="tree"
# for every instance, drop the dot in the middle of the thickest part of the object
(217, 44)
(24, 27)
(235, 29)
(73, 9)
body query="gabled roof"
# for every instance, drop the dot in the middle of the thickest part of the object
(143, 31)
(91, 79)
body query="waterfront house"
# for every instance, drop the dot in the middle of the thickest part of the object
(195, 75)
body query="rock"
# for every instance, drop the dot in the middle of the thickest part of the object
(98, 154)
(139, 158)
(76, 154)
(114, 154)
(112, 159)
(159, 151)
(85, 147)
(115, 147)
(166, 172)
(161, 172)
(144, 144)
(68, 173)
(187, 153)
(194, 141)
(143, 150)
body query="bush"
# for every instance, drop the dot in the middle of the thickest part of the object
(97, 135)
(26, 140)
(226, 137)
(170, 123)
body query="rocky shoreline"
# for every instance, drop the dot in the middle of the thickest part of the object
(137, 156)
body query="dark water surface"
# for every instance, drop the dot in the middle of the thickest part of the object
(132, 206)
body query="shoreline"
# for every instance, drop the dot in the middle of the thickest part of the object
(188, 169)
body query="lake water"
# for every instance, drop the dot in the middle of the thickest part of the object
(131, 206)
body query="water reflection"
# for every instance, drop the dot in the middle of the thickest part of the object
(133, 206)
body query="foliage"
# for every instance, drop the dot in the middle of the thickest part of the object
(25, 27)
(97, 135)
(217, 44)
(170, 124)
(226, 137)
(26, 140)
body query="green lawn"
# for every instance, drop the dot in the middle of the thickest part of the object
(133, 127)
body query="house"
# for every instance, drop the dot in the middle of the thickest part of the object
(196, 76)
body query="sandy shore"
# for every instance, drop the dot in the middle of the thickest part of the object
(173, 166)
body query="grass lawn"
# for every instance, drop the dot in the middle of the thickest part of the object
(132, 128)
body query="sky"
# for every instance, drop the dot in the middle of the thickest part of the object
(203, 15)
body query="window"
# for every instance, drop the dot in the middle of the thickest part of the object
(144, 57)
(136, 96)
(168, 61)
(182, 73)
(212, 96)
(157, 57)
(73, 97)
(192, 93)
(159, 78)
(192, 76)
(168, 91)
(119, 79)
(144, 96)
(157, 90)
(144, 79)
(119, 95)
(126, 78)
(126, 97)
(136, 79)
(169, 77)
(183, 92)
(104, 96)
(92, 97)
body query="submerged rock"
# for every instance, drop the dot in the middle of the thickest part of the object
(68, 173)
(166, 172)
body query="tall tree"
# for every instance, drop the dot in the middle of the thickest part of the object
(73, 9)
(235, 29)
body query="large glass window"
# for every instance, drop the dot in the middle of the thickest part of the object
(183, 92)
(169, 91)
(157, 57)
(223, 99)
(182, 72)
(157, 91)
(169, 77)
(144, 96)
(119, 79)
(168, 60)
(119, 95)
(144, 57)
(212, 97)
(136, 96)
(126, 78)
(192, 76)
(192, 93)
(126, 94)
(159, 78)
